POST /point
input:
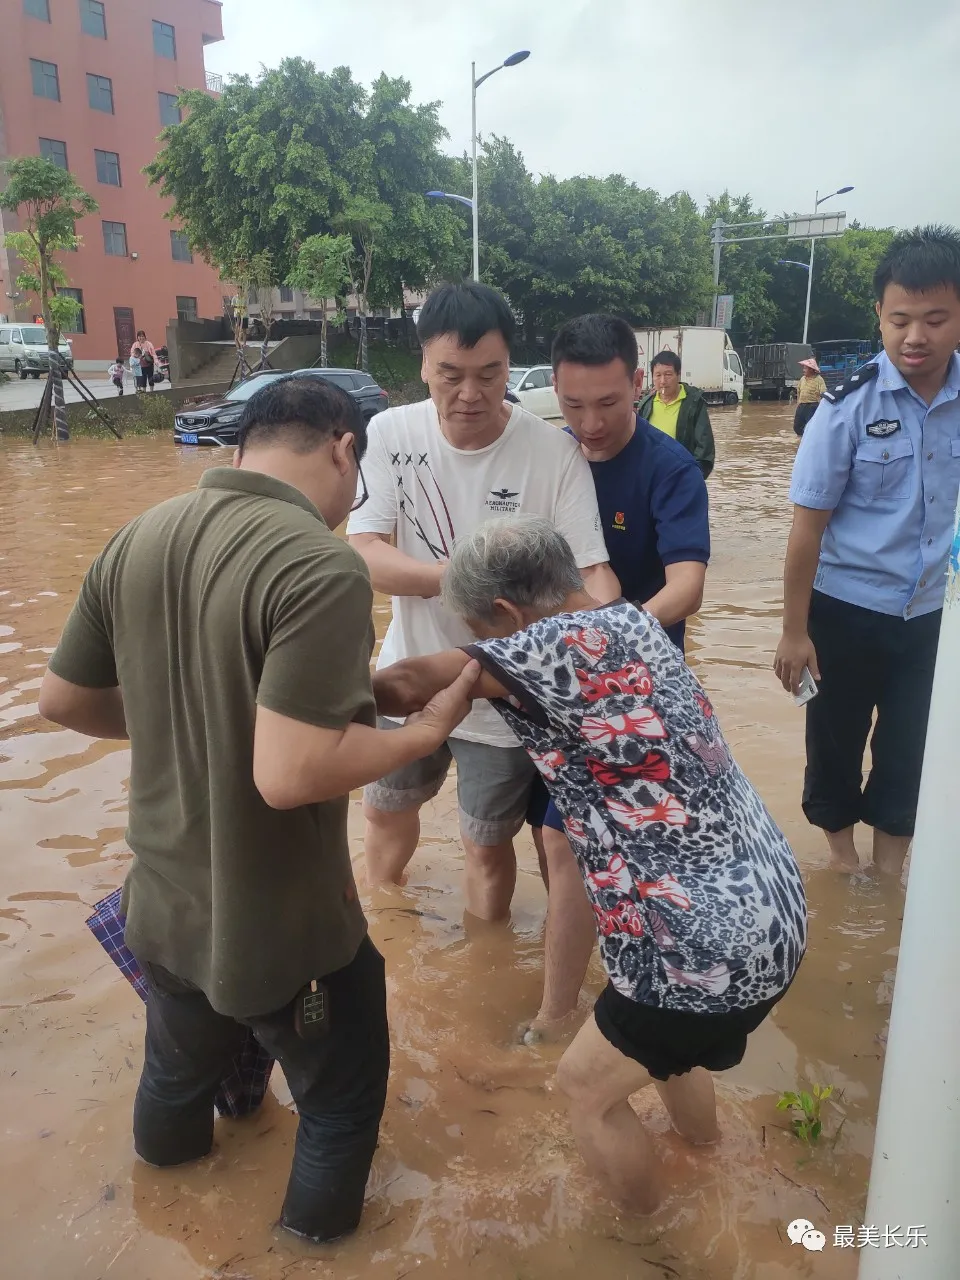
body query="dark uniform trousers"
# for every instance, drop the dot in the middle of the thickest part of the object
(869, 663)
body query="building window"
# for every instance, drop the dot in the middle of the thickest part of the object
(100, 93)
(180, 247)
(108, 167)
(186, 308)
(164, 40)
(54, 150)
(37, 9)
(169, 111)
(115, 239)
(79, 323)
(286, 293)
(46, 81)
(93, 19)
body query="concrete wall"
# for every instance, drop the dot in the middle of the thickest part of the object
(296, 353)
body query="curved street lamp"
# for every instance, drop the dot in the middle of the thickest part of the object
(448, 195)
(818, 200)
(475, 82)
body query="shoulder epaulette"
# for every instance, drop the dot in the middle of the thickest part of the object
(866, 373)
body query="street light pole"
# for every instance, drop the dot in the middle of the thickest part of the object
(476, 202)
(813, 245)
(817, 202)
(717, 246)
(475, 83)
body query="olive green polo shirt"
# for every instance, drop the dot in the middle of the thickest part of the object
(202, 607)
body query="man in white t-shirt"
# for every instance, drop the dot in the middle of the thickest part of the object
(434, 471)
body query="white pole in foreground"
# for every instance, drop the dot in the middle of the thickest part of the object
(915, 1176)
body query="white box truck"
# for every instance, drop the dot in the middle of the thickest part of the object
(707, 358)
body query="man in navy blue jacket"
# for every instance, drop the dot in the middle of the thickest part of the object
(653, 507)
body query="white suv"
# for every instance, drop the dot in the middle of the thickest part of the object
(23, 349)
(533, 388)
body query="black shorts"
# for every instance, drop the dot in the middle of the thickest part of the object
(668, 1042)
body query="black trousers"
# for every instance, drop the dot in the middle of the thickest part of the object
(803, 414)
(869, 663)
(338, 1082)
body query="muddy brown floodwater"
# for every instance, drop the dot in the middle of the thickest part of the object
(476, 1175)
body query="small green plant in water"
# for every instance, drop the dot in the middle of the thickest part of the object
(805, 1122)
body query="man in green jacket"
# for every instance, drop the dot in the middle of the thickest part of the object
(679, 410)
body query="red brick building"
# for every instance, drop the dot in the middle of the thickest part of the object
(90, 83)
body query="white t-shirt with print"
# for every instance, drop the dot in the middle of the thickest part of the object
(428, 493)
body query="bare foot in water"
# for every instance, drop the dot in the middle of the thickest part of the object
(843, 851)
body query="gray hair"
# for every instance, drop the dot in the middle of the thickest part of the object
(523, 559)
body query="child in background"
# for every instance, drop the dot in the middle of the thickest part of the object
(115, 374)
(136, 370)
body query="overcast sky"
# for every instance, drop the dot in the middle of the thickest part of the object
(760, 96)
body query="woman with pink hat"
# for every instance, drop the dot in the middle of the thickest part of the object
(812, 387)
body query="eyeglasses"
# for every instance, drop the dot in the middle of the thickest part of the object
(364, 492)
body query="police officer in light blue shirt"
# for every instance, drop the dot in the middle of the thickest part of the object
(875, 490)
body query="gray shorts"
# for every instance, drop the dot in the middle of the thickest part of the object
(493, 786)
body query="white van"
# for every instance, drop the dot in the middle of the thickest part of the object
(23, 350)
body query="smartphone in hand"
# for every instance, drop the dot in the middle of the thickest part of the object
(808, 688)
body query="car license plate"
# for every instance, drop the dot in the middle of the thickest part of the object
(188, 437)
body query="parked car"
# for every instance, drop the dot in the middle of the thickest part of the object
(533, 388)
(216, 422)
(24, 350)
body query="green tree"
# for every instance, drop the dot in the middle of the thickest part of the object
(560, 247)
(747, 270)
(300, 153)
(49, 201)
(842, 302)
(364, 220)
(422, 240)
(263, 280)
(322, 272)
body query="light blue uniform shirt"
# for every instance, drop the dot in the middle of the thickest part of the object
(888, 466)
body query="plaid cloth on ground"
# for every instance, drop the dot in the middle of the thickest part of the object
(243, 1087)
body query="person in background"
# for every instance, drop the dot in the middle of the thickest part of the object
(227, 634)
(679, 410)
(115, 374)
(435, 470)
(136, 371)
(148, 359)
(696, 894)
(810, 392)
(874, 489)
(654, 513)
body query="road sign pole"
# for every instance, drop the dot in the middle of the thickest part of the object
(717, 246)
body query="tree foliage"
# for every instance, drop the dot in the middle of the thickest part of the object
(49, 201)
(301, 153)
(300, 156)
(323, 271)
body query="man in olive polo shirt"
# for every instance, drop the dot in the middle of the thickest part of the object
(227, 633)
